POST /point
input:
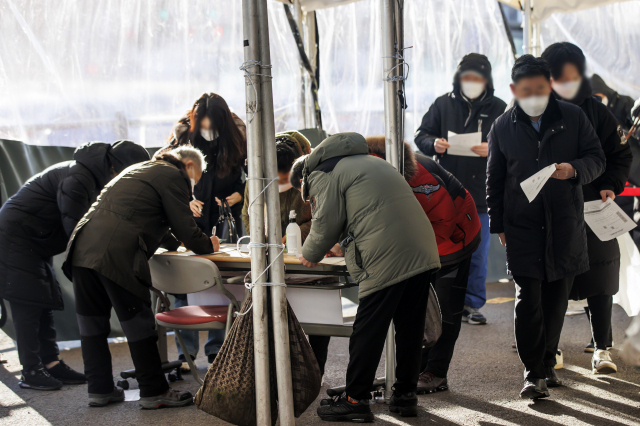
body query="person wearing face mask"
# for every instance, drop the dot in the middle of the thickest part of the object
(546, 238)
(144, 208)
(470, 107)
(598, 285)
(220, 134)
(35, 225)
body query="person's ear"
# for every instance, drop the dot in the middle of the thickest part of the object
(513, 89)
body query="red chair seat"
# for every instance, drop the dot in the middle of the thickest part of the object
(193, 315)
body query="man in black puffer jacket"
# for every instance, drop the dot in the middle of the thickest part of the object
(469, 108)
(35, 225)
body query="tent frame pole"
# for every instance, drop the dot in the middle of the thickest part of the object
(526, 27)
(251, 37)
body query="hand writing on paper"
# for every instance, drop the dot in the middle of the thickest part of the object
(306, 263)
(196, 207)
(482, 150)
(607, 193)
(216, 243)
(564, 171)
(441, 145)
(503, 240)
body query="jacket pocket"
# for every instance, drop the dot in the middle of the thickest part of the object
(141, 263)
(353, 259)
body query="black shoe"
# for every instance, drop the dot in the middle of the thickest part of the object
(405, 404)
(185, 365)
(534, 389)
(346, 409)
(590, 348)
(211, 358)
(66, 374)
(102, 400)
(39, 379)
(552, 378)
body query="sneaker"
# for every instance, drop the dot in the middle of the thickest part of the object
(101, 400)
(428, 383)
(601, 363)
(559, 360)
(171, 398)
(552, 378)
(185, 365)
(346, 409)
(211, 358)
(39, 378)
(590, 348)
(473, 316)
(534, 389)
(404, 404)
(66, 374)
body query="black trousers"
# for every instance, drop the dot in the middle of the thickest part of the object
(450, 284)
(539, 316)
(600, 311)
(35, 335)
(95, 296)
(320, 346)
(406, 304)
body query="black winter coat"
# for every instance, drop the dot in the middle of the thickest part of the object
(603, 276)
(131, 219)
(36, 222)
(452, 112)
(546, 239)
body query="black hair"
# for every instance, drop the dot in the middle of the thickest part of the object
(559, 54)
(296, 172)
(529, 66)
(286, 156)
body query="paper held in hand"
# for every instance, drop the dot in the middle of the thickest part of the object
(534, 184)
(607, 220)
(461, 144)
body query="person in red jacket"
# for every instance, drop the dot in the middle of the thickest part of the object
(454, 217)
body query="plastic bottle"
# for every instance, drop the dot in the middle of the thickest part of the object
(294, 236)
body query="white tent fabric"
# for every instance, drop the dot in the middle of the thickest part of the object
(543, 9)
(76, 71)
(610, 38)
(311, 5)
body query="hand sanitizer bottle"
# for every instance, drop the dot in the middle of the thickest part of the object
(294, 236)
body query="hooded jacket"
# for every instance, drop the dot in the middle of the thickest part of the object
(446, 203)
(36, 222)
(546, 238)
(145, 207)
(453, 112)
(364, 203)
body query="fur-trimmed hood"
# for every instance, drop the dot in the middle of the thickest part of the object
(377, 147)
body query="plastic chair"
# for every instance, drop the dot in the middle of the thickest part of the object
(183, 275)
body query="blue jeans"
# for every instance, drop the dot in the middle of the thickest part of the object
(476, 286)
(192, 340)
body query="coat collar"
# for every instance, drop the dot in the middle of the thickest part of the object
(552, 118)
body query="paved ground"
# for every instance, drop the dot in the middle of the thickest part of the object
(484, 380)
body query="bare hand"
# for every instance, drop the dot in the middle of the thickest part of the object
(564, 171)
(216, 243)
(218, 201)
(196, 207)
(503, 240)
(607, 193)
(335, 251)
(284, 240)
(441, 145)
(306, 263)
(234, 198)
(482, 150)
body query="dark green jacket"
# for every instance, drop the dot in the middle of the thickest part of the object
(136, 213)
(363, 197)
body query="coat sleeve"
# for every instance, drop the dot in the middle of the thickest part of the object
(429, 131)
(618, 155)
(328, 217)
(73, 199)
(245, 209)
(496, 175)
(175, 202)
(239, 184)
(169, 242)
(591, 160)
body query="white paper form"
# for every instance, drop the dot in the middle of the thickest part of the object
(461, 144)
(534, 184)
(607, 220)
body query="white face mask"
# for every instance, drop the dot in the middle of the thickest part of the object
(284, 187)
(567, 90)
(472, 89)
(207, 135)
(534, 106)
(605, 100)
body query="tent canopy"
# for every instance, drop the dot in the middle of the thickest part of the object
(543, 9)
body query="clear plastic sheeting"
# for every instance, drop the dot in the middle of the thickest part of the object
(543, 9)
(610, 38)
(75, 71)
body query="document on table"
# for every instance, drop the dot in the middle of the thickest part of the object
(534, 184)
(607, 220)
(461, 144)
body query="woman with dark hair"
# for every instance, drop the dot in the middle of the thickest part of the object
(598, 285)
(220, 134)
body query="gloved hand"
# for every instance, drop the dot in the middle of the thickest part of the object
(635, 109)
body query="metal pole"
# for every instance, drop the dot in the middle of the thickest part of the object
(537, 41)
(310, 47)
(274, 231)
(250, 16)
(526, 27)
(298, 16)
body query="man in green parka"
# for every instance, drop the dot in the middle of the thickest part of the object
(390, 249)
